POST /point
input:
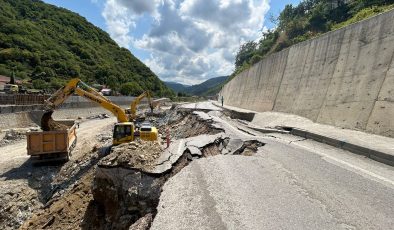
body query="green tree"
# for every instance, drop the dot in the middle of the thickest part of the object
(40, 84)
(112, 82)
(131, 89)
(245, 52)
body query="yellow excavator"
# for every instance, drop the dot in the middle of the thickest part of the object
(133, 106)
(124, 131)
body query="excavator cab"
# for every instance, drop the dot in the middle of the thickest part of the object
(123, 133)
(126, 132)
(147, 132)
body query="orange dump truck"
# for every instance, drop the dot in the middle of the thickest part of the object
(52, 145)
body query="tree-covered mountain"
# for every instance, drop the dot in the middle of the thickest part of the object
(203, 89)
(177, 87)
(49, 45)
(207, 88)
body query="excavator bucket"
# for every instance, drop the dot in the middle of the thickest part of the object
(36, 116)
(44, 120)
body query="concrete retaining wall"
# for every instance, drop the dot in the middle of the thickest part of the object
(344, 78)
(71, 102)
(17, 116)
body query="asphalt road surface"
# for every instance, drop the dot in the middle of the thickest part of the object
(290, 183)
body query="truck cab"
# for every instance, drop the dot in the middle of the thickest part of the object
(10, 88)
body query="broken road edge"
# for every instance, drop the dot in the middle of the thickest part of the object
(373, 154)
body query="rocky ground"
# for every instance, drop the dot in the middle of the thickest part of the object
(11, 136)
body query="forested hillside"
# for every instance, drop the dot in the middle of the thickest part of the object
(49, 45)
(207, 88)
(307, 20)
(177, 87)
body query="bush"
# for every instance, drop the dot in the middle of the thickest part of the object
(256, 58)
(40, 84)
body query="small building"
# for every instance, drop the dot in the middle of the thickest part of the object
(5, 80)
(106, 92)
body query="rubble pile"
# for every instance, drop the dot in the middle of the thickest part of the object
(58, 196)
(16, 204)
(67, 211)
(99, 116)
(184, 124)
(13, 135)
(138, 155)
(48, 124)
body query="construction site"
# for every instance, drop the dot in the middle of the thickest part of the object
(140, 184)
(300, 139)
(99, 185)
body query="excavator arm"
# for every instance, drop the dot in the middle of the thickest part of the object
(63, 93)
(137, 101)
(77, 86)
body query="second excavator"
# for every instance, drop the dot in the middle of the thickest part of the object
(124, 130)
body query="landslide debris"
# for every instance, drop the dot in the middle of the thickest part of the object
(13, 135)
(17, 204)
(127, 192)
(138, 155)
(67, 211)
(183, 124)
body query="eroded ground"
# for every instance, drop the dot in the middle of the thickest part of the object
(102, 188)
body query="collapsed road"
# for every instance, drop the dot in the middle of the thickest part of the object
(290, 183)
(216, 174)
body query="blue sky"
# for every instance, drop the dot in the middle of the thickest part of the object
(186, 41)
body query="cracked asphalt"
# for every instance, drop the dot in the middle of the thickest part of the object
(290, 183)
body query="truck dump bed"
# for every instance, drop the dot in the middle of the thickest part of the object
(52, 144)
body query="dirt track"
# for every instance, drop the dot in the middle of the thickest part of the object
(14, 155)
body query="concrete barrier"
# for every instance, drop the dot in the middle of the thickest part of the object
(344, 78)
(382, 157)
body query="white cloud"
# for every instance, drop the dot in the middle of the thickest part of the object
(190, 40)
(119, 22)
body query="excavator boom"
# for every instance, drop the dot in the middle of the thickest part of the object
(137, 101)
(77, 86)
